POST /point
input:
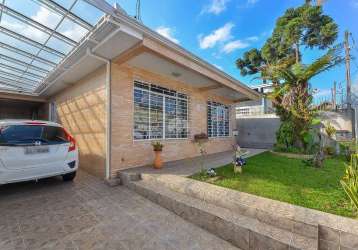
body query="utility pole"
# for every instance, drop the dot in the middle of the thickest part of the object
(334, 95)
(348, 69)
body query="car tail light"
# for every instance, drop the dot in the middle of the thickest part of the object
(71, 140)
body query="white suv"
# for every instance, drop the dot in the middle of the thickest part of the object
(31, 150)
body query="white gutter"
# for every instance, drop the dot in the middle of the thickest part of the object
(89, 52)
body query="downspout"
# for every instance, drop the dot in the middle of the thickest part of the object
(108, 110)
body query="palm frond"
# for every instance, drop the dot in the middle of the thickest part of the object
(324, 63)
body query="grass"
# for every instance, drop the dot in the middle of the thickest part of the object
(289, 180)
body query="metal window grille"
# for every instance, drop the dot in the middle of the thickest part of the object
(159, 113)
(218, 120)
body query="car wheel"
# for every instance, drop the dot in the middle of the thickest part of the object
(69, 176)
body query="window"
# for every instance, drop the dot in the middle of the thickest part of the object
(159, 113)
(218, 120)
(28, 134)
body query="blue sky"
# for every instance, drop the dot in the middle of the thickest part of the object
(220, 31)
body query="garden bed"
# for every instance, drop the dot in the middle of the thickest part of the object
(289, 180)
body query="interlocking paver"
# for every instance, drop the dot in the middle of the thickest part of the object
(88, 214)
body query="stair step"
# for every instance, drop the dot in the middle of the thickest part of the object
(242, 231)
(258, 208)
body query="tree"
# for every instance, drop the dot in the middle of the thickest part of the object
(280, 61)
(251, 63)
(293, 97)
(304, 26)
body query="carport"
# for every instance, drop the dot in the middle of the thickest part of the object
(22, 107)
(34, 42)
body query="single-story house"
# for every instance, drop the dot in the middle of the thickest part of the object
(125, 86)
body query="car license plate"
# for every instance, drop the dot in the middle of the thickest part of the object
(36, 150)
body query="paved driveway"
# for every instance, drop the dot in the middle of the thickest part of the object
(87, 214)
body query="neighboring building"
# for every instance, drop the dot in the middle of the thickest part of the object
(260, 107)
(125, 86)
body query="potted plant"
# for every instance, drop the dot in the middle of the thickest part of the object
(158, 148)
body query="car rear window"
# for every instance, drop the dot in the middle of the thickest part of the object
(29, 134)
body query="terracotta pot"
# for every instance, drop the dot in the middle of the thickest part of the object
(158, 163)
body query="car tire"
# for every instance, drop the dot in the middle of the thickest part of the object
(69, 176)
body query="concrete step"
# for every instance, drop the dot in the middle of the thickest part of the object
(259, 208)
(242, 231)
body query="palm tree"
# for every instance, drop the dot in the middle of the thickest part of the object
(293, 96)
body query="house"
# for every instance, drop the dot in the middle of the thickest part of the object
(260, 107)
(124, 86)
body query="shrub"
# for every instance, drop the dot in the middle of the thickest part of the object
(284, 136)
(350, 181)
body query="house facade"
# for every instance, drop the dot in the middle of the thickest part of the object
(126, 86)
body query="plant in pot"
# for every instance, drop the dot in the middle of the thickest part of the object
(158, 148)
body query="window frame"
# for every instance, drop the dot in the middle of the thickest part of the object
(164, 111)
(209, 104)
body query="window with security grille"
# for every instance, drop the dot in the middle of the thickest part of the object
(159, 113)
(218, 120)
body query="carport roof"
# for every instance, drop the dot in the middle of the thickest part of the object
(37, 35)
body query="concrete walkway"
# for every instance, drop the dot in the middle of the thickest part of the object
(191, 166)
(88, 214)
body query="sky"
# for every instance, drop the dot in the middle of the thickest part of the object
(220, 31)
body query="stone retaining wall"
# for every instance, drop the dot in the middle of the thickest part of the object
(331, 231)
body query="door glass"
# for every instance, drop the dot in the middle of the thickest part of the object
(29, 134)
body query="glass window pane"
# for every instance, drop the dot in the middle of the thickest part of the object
(164, 109)
(170, 117)
(49, 56)
(156, 116)
(36, 12)
(182, 118)
(24, 29)
(59, 45)
(15, 55)
(72, 30)
(218, 120)
(18, 44)
(87, 12)
(141, 114)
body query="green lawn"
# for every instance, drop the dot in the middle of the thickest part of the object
(289, 180)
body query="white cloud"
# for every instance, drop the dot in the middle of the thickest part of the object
(252, 38)
(219, 35)
(47, 18)
(215, 7)
(168, 33)
(234, 45)
(252, 1)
